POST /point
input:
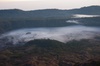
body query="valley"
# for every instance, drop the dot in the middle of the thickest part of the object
(50, 37)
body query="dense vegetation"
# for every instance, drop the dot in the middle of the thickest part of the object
(8, 25)
(45, 52)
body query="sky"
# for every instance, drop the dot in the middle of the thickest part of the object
(46, 4)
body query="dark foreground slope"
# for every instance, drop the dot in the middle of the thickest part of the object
(52, 53)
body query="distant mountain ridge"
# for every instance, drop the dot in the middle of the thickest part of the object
(48, 13)
(12, 19)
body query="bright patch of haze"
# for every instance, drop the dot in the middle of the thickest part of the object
(80, 16)
(63, 34)
(83, 16)
(73, 21)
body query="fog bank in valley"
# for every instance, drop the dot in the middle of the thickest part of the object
(63, 34)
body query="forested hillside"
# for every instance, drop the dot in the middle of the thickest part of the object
(45, 52)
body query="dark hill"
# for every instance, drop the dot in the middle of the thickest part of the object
(48, 13)
(45, 43)
(52, 53)
(91, 10)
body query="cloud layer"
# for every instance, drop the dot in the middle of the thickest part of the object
(62, 34)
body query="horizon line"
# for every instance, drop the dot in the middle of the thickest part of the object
(47, 8)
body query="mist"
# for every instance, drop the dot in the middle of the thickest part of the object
(63, 34)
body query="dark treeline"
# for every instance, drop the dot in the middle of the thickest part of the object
(7, 25)
(13, 24)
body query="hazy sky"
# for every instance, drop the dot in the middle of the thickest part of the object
(43, 4)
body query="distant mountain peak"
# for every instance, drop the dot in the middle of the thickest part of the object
(91, 7)
(11, 10)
